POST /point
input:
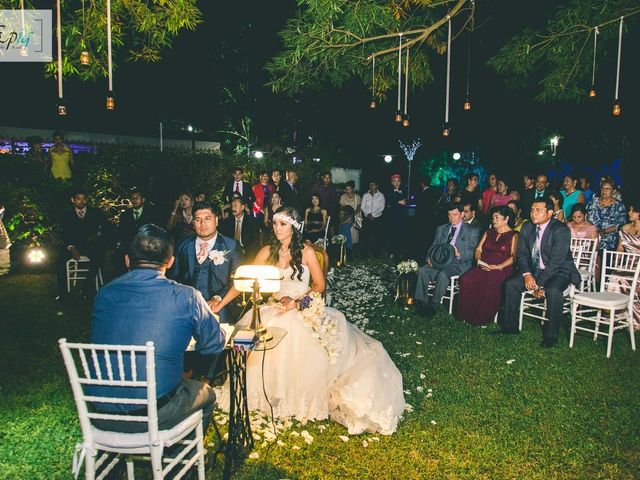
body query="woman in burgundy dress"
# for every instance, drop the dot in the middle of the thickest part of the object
(481, 287)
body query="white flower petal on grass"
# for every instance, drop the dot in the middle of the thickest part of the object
(295, 447)
(429, 394)
(254, 455)
(433, 422)
(294, 434)
(509, 362)
(365, 444)
(420, 356)
(408, 408)
(422, 376)
(59, 314)
(344, 438)
(419, 388)
(322, 428)
(430, 390)
(281, 443)
(390, 333)
(407, 392)
(418, 343)
(375, 439)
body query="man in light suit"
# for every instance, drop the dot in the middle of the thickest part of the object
(464, 238)
(545, 266)
(207, 260)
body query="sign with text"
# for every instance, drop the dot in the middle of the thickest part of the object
(25, 36)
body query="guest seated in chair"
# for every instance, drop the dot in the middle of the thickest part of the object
(85, 233)
(481, 287)
(451, 254)
(545, 267)
(143, 305)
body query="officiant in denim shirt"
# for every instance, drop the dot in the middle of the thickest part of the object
(207, 260)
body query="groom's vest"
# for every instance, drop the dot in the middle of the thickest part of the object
(201, 273)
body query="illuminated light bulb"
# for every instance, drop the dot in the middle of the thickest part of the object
(592, 92)
(616, 108)
(373, 105)
(111, 101)
(398, 116)
(405, 121)
(84, 58)
(467, 105)
(36, 255)
(446, 130)
(62, 109)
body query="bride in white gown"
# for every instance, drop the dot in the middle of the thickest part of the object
(341, 374)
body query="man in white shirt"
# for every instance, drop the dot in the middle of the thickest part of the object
(372, 206)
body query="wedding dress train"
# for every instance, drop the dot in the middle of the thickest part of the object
(357, 386)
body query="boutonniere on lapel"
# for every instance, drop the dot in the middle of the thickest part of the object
(218, 257)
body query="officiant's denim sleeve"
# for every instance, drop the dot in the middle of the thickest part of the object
(210, 338)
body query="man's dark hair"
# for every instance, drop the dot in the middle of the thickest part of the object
(79, 191)
(235, 169)
(206, 205)
(350, 183)
(455, 206)
(57, 133)
(546, 200)
(455, 182)
(151, 244)
(326, 173)
(470, 175)
(138, 191)
(264, 172)
(276, 169)
(238, 198)
(473, 206)
(426, 181)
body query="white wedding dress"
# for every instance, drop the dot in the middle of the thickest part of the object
(361, 389)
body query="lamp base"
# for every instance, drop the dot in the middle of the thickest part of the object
(262, 332)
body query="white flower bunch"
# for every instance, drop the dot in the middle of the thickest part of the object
(338, 239)
(325, 327)
(218, 257)
(407, 266)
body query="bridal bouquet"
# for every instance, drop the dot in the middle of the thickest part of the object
(324, 326)
(407, 266)
(338, 239)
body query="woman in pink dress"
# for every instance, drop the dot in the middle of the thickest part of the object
(630, 242)
(579, 225)
(503, 195)
(481, 287)
(488, 193)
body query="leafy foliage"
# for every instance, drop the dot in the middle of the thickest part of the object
(559, 58)
(141, 30)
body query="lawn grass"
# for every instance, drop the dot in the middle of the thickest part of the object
(549, 414)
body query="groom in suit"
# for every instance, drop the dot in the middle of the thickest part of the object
(207, 260)
(545, 266)
(463, 238)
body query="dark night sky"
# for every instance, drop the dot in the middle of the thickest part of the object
(186, 85)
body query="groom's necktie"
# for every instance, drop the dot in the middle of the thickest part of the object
(202, 254)
(452, 233)
(535, 253)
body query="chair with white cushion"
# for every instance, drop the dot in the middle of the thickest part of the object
(612, 307)
(450, 294)
(587, 264)
(77, 271)
(536, 308)
(115, 366)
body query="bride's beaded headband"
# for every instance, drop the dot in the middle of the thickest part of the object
(283, 217)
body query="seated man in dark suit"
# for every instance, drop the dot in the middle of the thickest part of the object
(143, 305)
(545, 266)
(464, 238)
(85, 232)
(131, 220)
(242, 228)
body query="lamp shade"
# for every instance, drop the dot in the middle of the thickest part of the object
(268, 278)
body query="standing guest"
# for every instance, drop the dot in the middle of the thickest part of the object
(630, 243)
(470, 217)
(276, 180)
(243, 229)
(449, 194)
(262, 193)
(528, 194)
(291, 192)
(130, 221)
(238, 186)
(207, 260)
(514, 205)
(326, 190)
(315, 219)
(36, 153)
(274, 205)
(426, 215)
(180, 222)
(451, 254)
(607, 214)
(545, 266)
(5, 245)
(143, 305)
(372, 208)
(579, 225)
(85, 231)
(488, 193)
(61, 158)
(346, 226)
(352, 199)
(396, 215)
(528, 182)
(617, 194)
(481, 287)
(542, 188)
(503, 195)
(199, 197)
(558, 212)
(570, 194)
(471, 193)
(585, 186)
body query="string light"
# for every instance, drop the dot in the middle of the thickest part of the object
(62, 108)
(373, 104)
(616, 104)
(446, 129)
(592, 92)
(111, 102)
(84, 56)
(398, 112)
(405, 119)
(467, 102)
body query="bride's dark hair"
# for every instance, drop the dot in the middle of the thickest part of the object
(296, 246)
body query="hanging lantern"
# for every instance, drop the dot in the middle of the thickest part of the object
(446, 130)
(616, 108)
(62, 108)
(373, 104)
(84, 58)
(398, 111)
(398, 116)
(467, 105)
(592, 92)
(405, 121)
(111, 101)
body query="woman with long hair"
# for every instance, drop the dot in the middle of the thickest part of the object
(180, 222)
(558, 201)
(579, 225)
(571, 194)
(324, 367)
(315, 219)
